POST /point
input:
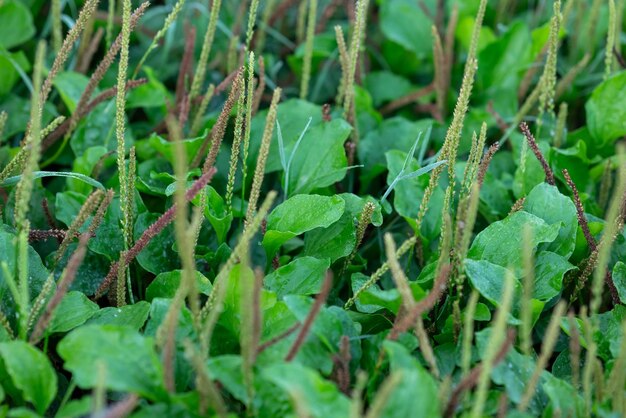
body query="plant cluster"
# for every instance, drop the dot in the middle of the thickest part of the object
(314, 208)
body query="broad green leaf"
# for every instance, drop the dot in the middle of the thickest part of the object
(408, 193)
(98, 129)
(16, 24)
(18, 108)
(76, 408)
(118, 356)
(158, 255)
(576, 161)
(108, 240)
(326, 326)
(12, 67)
(329, 325)
(37, 273)
(227, 370)
(405, 23)
(501, 242)
(385, 86)
(545, 202)
(70, 86)
(217, 213)
(30, 372)
(503, 64)
(303, 276)
(563, 398)
(338, 240)
(549, 271)
(91, 271)
(619, 279)
(74, 310)
(319, 397)
(417, 390)
(166, 284)
(132, 316)
(514, 372)
(606, 111)
(324, 44)
(465, 29)
(293, 115)
(489, 280)
(320, 159)
(373, 299)
(158, 310)
(167, 148)
(151, 94)
(298, 215)
(154, 176)
(231, 317)
(529, 173)
(183, 371)
(395, 133)
(85, 164)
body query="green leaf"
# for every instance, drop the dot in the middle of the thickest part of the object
(293, 115)
(489, 279)
(545, 202)
(16, 24)
(117, 356)
(167, 148)
(85, 164)
(217, 213)
(417, 390)
(98, 129)
(529, 174)
(373, 299)
(303, 276)
(12, 67)
(338, 240)
(30, 372)
(319, 397)
(465, 29)
(76, 408)
(37, 273)
(166, 284)
(549, 271)
(409, 192)
(395, 133)
(108, 240)
(563, 398)
(501, 243)
(151, 94)
(606, 110)
(385, 86)
(231, 317)
(503, 64)
(619, 279)
(514, 372)
(158, 255)
(405, 23)
(74, 310)
(91, 271)
(70, 86)
(227, 370)
(298, 215)
(12, 181)
(132, 316)
(320, 160)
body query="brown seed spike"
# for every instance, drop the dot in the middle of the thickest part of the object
(532, 142)
(580, 211)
